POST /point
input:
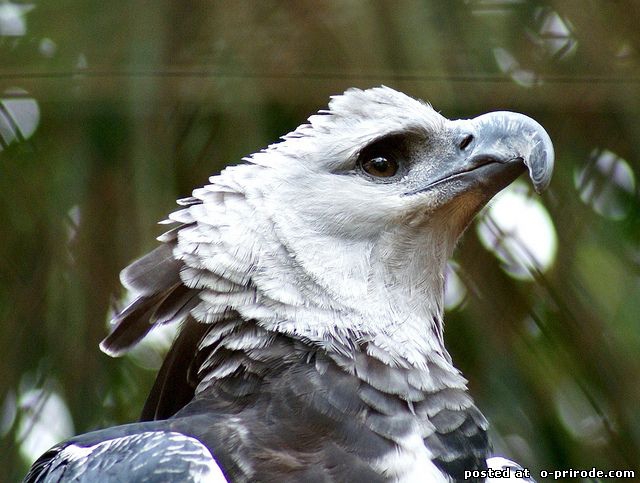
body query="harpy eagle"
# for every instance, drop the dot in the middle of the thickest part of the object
(309, 284)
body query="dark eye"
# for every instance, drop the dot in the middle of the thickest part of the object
(380, 167)
(384, 158)
(466, 141)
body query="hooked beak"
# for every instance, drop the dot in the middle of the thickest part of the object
(492, 150)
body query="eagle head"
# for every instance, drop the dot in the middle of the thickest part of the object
(370, 197)
(340, 233)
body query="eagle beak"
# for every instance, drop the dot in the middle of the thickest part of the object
(491, 151)
(505, 137)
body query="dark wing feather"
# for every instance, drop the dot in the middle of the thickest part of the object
(160, 298)
(153, 272)
(176, 382)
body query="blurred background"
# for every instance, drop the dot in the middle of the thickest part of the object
(109, 111)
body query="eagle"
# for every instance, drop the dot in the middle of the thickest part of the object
(309, 284)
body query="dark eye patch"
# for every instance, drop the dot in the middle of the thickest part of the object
(384, 159)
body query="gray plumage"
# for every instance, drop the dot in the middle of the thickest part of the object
(152, 456)
(311, 284)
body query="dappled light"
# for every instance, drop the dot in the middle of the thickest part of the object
(584, 421)
(19, 116)
(44, 421)
(511, 66)
(455, 291)
(518, 230)
(47, 47)
(555, 35)
(13, 22)
(606, 183)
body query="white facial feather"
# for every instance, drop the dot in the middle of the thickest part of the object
(331, 254)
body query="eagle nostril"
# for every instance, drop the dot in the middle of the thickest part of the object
(466, 141)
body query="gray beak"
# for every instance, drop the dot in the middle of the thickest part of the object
(508, 136)
(488, 153)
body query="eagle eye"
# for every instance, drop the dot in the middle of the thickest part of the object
(466, 141)
(380, 167)
(382, 158)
